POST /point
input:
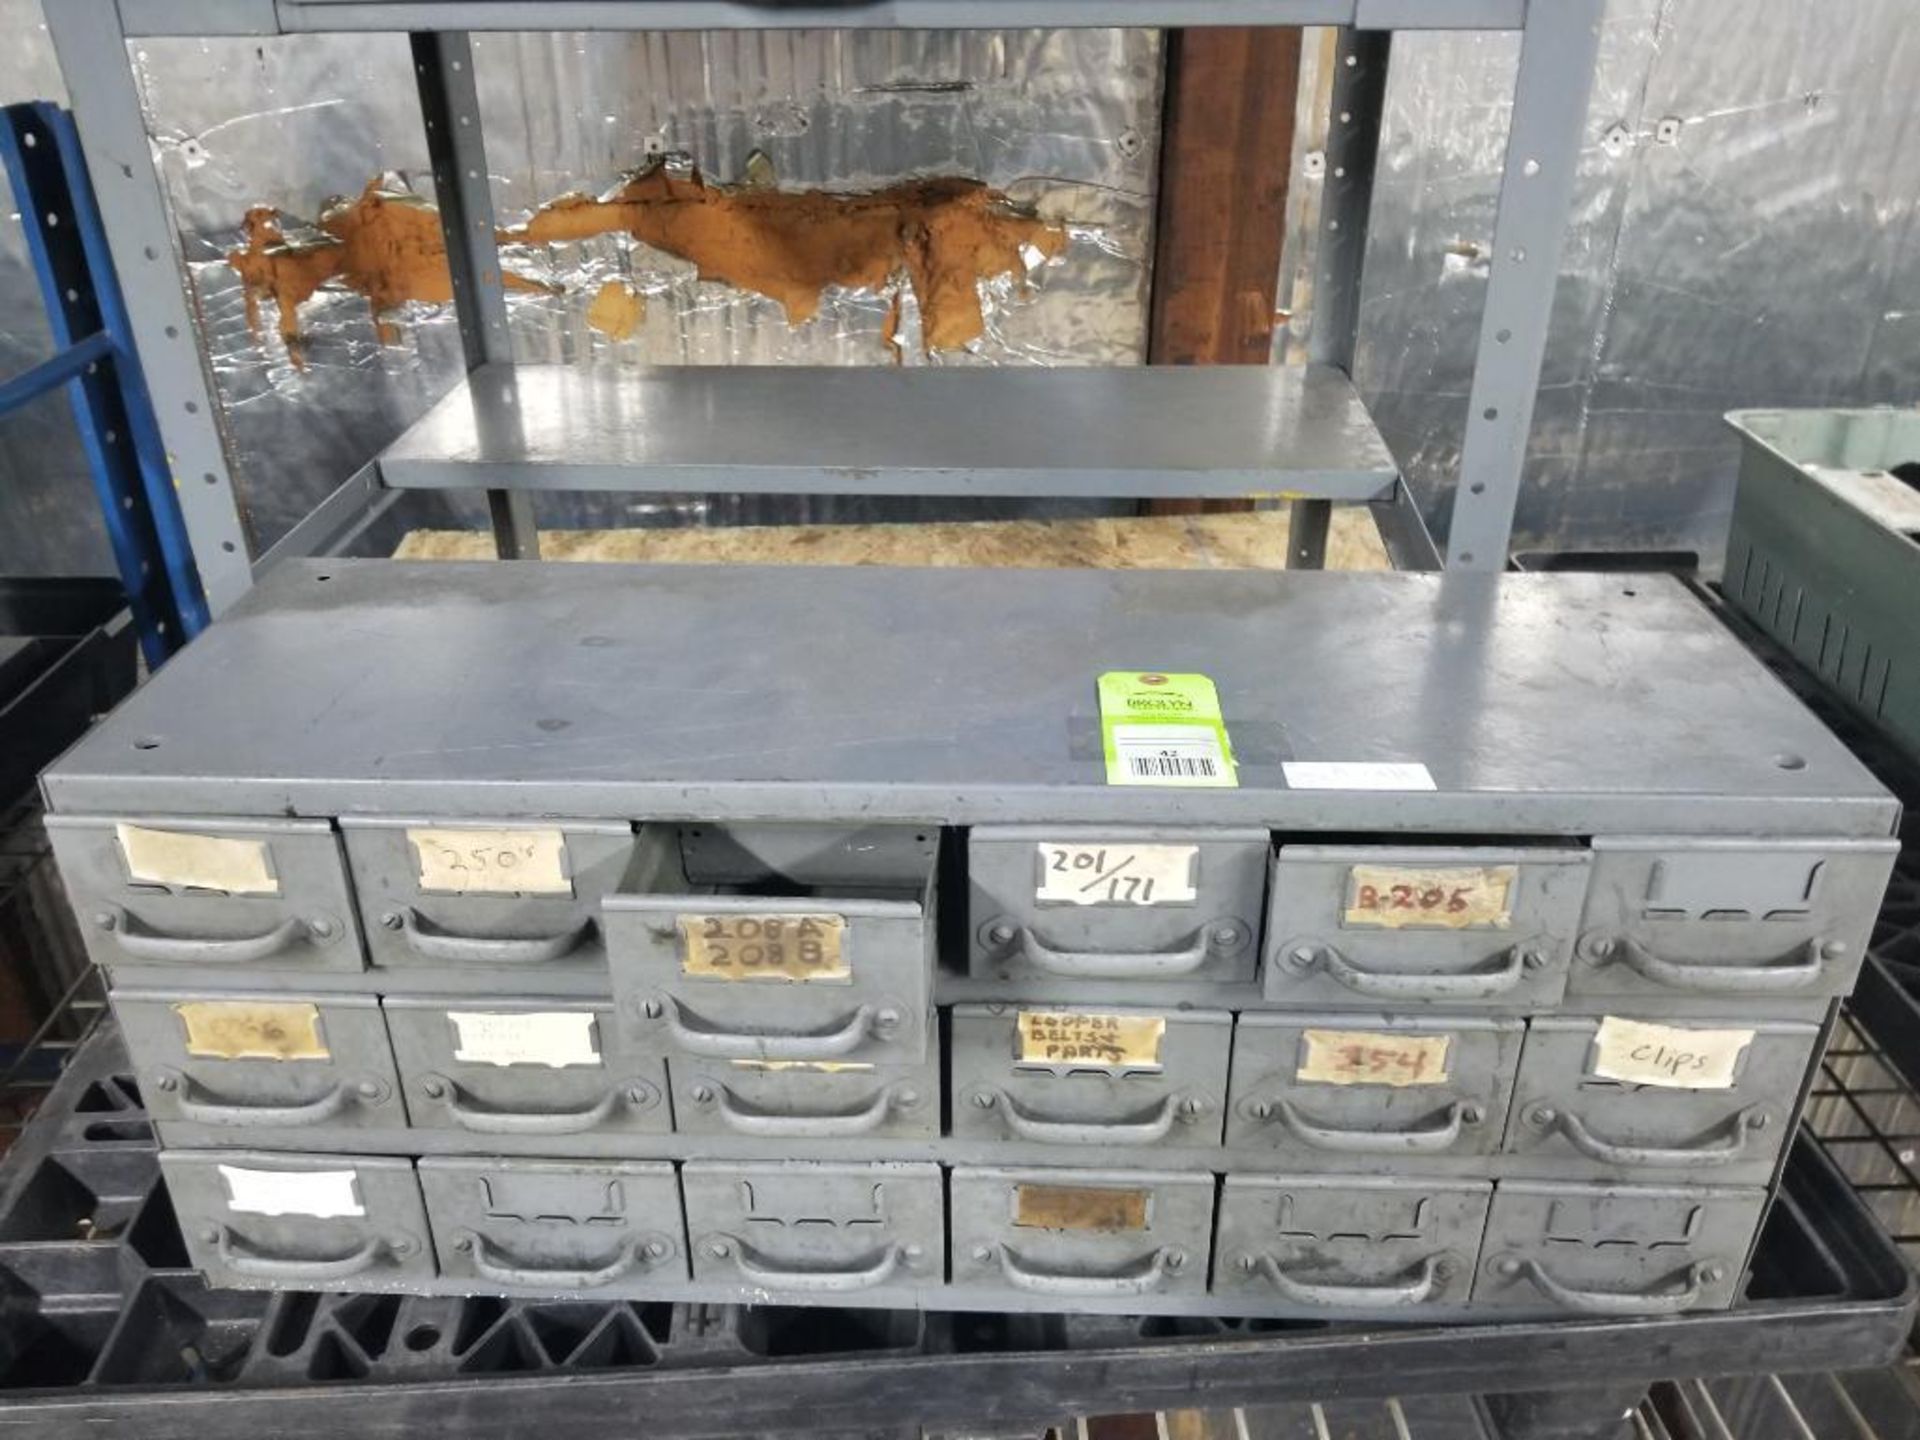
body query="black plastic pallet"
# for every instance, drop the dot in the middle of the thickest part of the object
(101, 1321)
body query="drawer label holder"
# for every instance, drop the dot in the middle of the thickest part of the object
(556, 1039)
(800, 948)
(184, 861)
(316, 1194)
(1670, 1057)
(1080, 1207)
(458, 861)
(1365, 1057)
(1078, 1038)
(1117, 874)
(252, 1029)
(1452, 897)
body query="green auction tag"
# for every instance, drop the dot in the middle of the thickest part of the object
(1163, 730)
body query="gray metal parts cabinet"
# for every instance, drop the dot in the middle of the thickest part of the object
(1492, 985)
(1528, 1037)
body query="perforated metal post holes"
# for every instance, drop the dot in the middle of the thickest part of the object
(208, 895)
(1063, 904)
(265, 1221)
(1422, 925)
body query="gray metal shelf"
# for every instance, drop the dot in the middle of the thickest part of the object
(1261, 431)
(1304, 437)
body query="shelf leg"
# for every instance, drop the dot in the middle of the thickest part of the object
(1307, 524)
(1558, 49)
(450, 106)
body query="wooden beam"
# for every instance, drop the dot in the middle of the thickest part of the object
(1225, 159)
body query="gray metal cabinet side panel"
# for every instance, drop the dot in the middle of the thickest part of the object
(555, 1226)
(309, 924)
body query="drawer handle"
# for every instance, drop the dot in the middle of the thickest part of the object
(1801, 968)
(863, 1121)
(244, 1261)
(1430, 1141)
(1478, 985)
(1138, 1278)
(533, 1122)
(1416, 1291)
(490, 1265)
(431, 942)
(1121, 965)
(1616, 1302)
(1027, 1126)
(829, 1044)
(1731, 1147)
(755, 1268)
(229, 1112)
(140, 943)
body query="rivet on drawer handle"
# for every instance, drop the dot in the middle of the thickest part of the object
(491, 1265)
(232, 1112)
(1614, 1302)
(868, 1118)
(237, 1257)
(756, 1269)
(1123, 965)
(1304, 956)
(1148, 1131)
(1428, 1141)
(1799, 968)
(1416, 1290)
(431, 942)
(1732, 1147)
(1135, 1279)
(140, 943)
(841, 1038)
(484, 1121)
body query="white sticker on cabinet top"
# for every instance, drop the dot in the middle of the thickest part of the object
(317, 1194)
(1117, 874)
(555, 1038)
(1673, 1057)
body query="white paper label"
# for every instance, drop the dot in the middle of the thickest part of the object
(555, 1038)
(1669, 1056)
(197, 862)
(491, 862)
(320, 1194)
(1117, 874)
(1168, 755)
(1357, 775)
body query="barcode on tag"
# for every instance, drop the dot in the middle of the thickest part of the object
(1169, 755)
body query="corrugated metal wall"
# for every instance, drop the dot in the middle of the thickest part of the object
(1764, 252)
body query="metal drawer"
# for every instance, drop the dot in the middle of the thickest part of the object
(806, 1099)
(1372, 1091)
(1708, 917)
(264, 1060)
(1066, 903)
(808, 1227)
(1114, 1078)
(555, 1225)
(1342, 1243)
(239, 894)
(829, 959)
(256, 1220)
(1062, 1235)
(1637, 1099)
(489, 1066)
(1616, 1249)
(1419, 925)
(504, 895)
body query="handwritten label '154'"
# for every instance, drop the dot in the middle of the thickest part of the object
(1363, 1057)
(764, 947)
